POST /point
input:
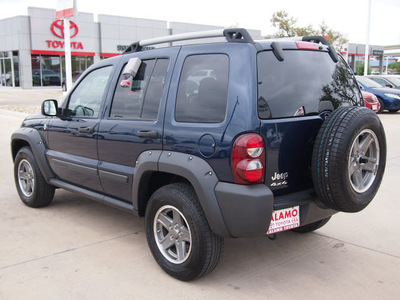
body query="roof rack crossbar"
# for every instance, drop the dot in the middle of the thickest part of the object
(231, 34)
(316, 38)
(323, 41)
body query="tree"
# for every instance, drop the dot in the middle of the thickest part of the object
(396, 66)
(360, 69)
(287, 27)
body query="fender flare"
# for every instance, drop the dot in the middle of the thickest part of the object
(38, 146)
(196, 170)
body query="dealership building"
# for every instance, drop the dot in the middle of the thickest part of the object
(32, 47)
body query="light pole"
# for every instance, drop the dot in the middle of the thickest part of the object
(366, 61)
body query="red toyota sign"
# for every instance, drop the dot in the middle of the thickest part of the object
(57, 28)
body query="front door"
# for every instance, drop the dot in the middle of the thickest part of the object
(72, 137)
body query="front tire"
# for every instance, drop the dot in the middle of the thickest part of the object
(31, 185)
(178, 233)
(381, 107)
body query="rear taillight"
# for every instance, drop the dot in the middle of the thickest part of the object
(248, 159)
(372, 99)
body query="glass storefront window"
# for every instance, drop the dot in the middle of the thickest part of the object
(50, 70)
(46, 70)
(9, 75)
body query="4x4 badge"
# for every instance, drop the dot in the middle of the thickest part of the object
(279, 179)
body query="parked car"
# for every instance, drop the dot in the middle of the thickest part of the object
(75, 76)
(371, 101)
(388, 98)
(390, 81)
(48, 77)
(274, 137)
(7, 78)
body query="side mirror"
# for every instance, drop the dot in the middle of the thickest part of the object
(389, 85)
(361, 87)
(50, 108)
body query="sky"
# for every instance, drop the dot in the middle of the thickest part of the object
(349, 17)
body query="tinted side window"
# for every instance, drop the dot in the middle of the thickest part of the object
(86, 99)
(380, 81)
(155, 90)
(203, 89)
(140, 98)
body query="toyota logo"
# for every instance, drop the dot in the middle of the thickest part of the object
(57, 28)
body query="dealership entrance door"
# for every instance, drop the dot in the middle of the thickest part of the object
(9, 68)
(48, 70)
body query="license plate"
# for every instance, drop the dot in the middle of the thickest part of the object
(284, 219)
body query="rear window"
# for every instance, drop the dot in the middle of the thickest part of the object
(304, 83)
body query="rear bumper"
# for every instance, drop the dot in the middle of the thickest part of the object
(247, 209)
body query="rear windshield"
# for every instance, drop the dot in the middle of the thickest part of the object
(304, 83)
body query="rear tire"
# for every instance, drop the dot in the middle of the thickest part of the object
(178, 233)
(31, 185)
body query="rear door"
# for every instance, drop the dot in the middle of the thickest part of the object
(294, 95)
(212, 102)
(134, 122)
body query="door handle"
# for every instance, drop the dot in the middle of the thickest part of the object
(147, 134)
(86, 129)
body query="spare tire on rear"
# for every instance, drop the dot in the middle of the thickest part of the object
(349, 159)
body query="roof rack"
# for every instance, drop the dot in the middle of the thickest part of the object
(238, 35)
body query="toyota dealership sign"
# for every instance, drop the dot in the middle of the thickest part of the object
(57, 28)
(48, 36)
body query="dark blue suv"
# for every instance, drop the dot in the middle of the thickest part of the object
(229, 139)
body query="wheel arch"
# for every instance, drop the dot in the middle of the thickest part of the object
(29, 137)
(155, 169)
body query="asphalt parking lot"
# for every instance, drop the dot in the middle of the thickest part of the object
(79, 249)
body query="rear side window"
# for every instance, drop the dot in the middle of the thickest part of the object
(203, 89)
(306, 82)
(140, 98)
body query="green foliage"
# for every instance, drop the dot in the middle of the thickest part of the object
(360, 69)
(287, 27)
(396, 66)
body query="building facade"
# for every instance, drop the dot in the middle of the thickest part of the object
(32, 48)
(355, 56)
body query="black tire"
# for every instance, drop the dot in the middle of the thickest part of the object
(382, 106)
(349, 159)
(31, 185)
(311, 227)
(194, 250)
